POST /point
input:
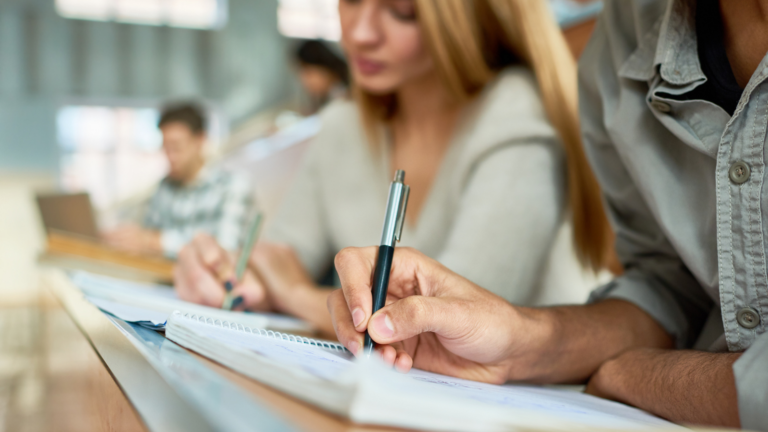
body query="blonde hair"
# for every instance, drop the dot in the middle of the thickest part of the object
(470, 41)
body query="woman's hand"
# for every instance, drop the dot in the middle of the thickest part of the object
(434, 319)
(282, 273)
(201, 271)
(290, 289)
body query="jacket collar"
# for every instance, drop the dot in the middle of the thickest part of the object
(668, 48)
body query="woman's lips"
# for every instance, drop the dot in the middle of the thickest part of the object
(368, 67)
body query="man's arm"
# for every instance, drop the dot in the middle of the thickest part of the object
(583, 337)
(690, 387)
(439, 321)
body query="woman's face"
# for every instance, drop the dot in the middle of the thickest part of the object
(384, 44)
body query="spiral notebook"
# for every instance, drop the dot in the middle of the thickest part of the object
(150, 305)
(365, 391)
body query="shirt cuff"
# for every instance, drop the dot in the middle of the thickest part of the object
(643, 291)
(751, 373)
(172, 242)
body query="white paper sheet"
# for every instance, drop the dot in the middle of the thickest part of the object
(147, 301)
(145, 317)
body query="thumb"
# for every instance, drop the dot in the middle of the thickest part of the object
(412, 316)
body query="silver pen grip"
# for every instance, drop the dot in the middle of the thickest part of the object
(394, 219)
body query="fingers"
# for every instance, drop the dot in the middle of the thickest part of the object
(342, 323)
(194, 282)
(414, 315)
(355, 267)
(403, 362)
(213, 256)
(253, 293)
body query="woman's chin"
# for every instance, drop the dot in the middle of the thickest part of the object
(378, 87)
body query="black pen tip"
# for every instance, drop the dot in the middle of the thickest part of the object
(237, 302)
(228, 286)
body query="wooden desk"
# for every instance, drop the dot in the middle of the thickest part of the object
(71, 252)
(52, 379)
(171, 388)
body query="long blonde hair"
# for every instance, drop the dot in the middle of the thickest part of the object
(470, 41)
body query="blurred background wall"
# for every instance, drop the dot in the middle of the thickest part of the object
(48, 62)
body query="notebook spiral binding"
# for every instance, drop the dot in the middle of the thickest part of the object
(263, 332)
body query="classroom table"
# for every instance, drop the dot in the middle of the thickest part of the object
(168, 388)
(129, 378)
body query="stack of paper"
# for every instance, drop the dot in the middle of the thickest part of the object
(371, 393)
(150, 305)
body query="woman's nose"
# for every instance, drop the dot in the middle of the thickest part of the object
(365, 30)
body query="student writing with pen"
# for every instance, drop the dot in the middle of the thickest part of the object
(480, 113)
(673, 101)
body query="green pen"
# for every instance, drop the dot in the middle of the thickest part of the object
(242, 261)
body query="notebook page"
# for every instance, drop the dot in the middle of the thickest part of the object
(418, 399)
(148, 300)
(570, 406)
(322, 363)
(145, 317)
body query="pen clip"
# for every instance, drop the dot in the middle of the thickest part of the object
(401, 214)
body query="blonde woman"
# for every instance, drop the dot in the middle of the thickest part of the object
(476, 101)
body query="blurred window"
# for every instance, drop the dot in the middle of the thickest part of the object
(110, 152)
(309, 19)
(114, 152)
(319, 19)
(200, 14)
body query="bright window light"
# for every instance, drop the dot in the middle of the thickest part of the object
(199, 14)
(319, 19)
(112, 153)
(115, 152)
(309, 19)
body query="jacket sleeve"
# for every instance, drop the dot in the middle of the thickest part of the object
(655, 278)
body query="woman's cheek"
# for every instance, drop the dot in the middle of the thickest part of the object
(408, 50)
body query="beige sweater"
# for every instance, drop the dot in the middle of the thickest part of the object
(493, 213)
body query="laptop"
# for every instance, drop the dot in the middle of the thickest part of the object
(68, 213)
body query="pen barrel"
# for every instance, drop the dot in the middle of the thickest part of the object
(380, 284)
(381, 276)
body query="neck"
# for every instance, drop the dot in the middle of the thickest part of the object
(425, 104)
(191, 173)
(762, 6)
(746, 36)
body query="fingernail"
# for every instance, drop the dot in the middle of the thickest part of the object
(383, 326)
(237, 302)
(357, 317)
(229, 286)
(353, 347)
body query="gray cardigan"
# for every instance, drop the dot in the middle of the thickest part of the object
(492, 215)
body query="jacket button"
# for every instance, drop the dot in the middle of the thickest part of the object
(661, 106)
(748, 318)
(739, 172)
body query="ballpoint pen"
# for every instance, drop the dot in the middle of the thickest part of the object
(242, 261)
(394, 219)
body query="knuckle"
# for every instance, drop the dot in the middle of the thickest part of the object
(199, 238)
(415, 307)
(343, 256)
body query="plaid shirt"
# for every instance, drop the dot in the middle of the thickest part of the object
(217, 203)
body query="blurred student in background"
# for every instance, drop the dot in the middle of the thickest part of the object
(476, 101)
(322, 73)
(192, 198)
